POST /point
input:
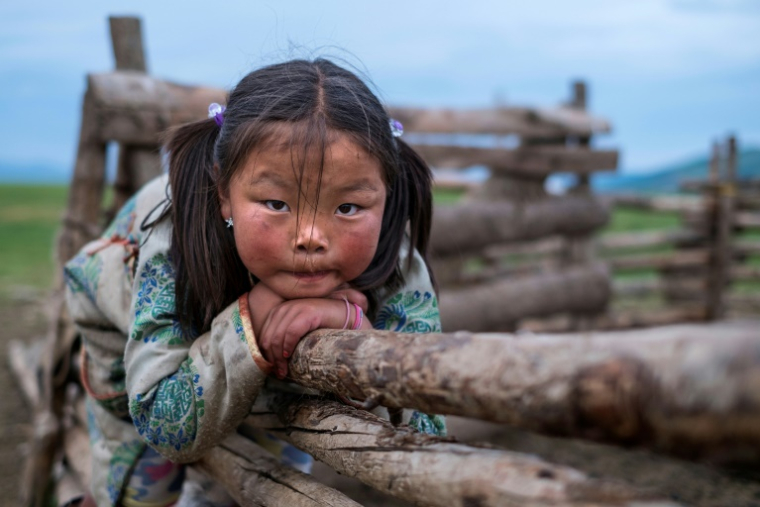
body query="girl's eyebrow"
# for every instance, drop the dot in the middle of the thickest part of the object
(269, 177)
(358, 186)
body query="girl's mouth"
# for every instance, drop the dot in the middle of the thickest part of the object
(310, 276)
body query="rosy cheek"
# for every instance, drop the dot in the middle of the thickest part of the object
(358, 250)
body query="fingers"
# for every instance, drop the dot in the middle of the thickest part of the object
(284, 328)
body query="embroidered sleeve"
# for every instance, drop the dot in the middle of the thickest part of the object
(186, 393)
(414, 309)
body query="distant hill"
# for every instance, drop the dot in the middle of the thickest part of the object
(42, 174)
(666, 180)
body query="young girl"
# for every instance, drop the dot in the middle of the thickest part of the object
(296, 208)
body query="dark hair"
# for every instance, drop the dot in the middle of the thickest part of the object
(315, 98)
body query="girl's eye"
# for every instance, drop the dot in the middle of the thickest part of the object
(276, 205)
(347, 209)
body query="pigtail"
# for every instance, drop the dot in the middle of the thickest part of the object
(416, 176)
(209, 272)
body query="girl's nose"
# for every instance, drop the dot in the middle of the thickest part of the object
(311, 238)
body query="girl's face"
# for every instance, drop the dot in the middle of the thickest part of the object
(330, 240)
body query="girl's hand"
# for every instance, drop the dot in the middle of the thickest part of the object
(290, 321)
(353, 296)
(261, 301)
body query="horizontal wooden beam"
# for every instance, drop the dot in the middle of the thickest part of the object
(740, 273)
(529, 161)
(675, 203)
(429, 470)
(747, 219)
(134, 108)
(643, 288)
(255, 478)
(648, 239)
(527, 122)
(634, 386)
(672, 260)
(472, 226)
(499, 304)
(624, 319)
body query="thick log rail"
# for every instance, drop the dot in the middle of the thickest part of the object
(424, 469)
(474, 225)
(676, 389)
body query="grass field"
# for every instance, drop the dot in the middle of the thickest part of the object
(29, 219)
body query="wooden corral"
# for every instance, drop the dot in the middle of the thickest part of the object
(700, 265)
(674, 390)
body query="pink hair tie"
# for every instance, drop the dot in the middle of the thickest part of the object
(359, 317)
(348, 314)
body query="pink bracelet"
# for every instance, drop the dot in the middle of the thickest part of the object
(348, 314)
(359, 317)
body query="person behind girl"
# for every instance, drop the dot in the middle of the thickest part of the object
(297, 207)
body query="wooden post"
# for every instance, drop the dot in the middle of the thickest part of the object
(579, 249)
(137, 164)
(716, 269)
(721, 251)
(126, 38)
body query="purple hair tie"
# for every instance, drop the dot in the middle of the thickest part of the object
(216, 112)
(397, 129)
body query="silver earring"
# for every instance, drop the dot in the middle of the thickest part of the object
(229, 222)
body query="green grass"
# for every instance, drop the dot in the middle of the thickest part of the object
(29, 218)
(630, 220)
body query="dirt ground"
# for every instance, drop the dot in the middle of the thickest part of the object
(22, 317)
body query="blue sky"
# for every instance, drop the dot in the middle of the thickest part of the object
(670, 74)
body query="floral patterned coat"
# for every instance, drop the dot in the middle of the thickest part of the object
(147, 381)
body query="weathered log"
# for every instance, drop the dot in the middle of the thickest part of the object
(746, 247)
(676, 389)
(255, 478)
(621, 319)
(744, 185)
(745, 273)
(135, 109)
(538, 123)
(137, 166)
(76, 448)
(428, 470)
(661, 261)
(648, 239)
(659, 203)
(24, 362)
(526, 161)
(499, 304)
(501, 272)
(552, 245)
(473, 225)
(631, 319)
(81, 223)
(67, 486)
(747, 219)
(639, 288)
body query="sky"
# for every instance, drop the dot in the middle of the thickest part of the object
(670, 75)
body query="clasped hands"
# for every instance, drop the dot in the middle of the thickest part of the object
(280, 324)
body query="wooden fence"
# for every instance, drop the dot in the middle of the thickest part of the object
(634, 388)
(700, 266)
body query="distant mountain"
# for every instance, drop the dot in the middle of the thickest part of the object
(42, 174)
(667, 179)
